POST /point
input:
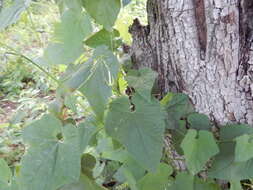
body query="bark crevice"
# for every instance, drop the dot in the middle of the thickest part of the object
(201, 48)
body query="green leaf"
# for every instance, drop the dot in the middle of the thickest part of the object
(11, 14)
(53, 158)
(177, 107)
(142, 81)
(157, 180)
(88, 163)
(86, 131)
(243, 148)
(70, 102)
(140, 131)
(198, 148)
(126, 2)
(67, 45)
(94, 79)
(105, 12)
(133, 167)
(103, 37)
(230, 132)
(199, 121)
(5, 174)
(85, 183)
(236, 185)
(184, 180)
(224, 167)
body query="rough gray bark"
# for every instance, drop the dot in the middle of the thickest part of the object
(201, 48)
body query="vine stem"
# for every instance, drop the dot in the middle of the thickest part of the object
(16, 53)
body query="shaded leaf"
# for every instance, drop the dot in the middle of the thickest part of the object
(142, 81)
(230, 132)
(177, 107)
(199, 121)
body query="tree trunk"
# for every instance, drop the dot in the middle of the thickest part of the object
(201, 48)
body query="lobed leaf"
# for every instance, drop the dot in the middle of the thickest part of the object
(198, 148)
(140, 131)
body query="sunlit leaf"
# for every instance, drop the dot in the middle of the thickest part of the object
(105, 12)
(198, 148)
(53, 158)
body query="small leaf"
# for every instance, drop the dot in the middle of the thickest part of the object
(142, 81)
(199, 121)
(243, 148)
(157, 180)
(198, 149)
(105, 12)
(140, 131)
(53, 158)
(177, 107)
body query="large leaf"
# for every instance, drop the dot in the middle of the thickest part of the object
(157, 180)
(53, 158)
(105, 12)
(140, 131)
(198, 148)
(243, 148)
(177, 107)
(142, 81)
(94, 79)
(11, 14)
(67, 45)
(224, 167)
